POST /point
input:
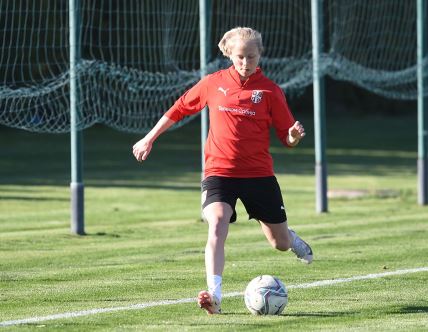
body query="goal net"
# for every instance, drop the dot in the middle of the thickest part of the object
(138, 57)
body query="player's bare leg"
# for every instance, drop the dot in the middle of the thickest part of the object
(218, 216)
(283, 238)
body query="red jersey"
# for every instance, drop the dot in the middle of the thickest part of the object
(240, 114)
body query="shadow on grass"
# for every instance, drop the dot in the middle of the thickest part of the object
(178, 187)
(299, 314)
(413, 309)
(25, 198)
(355, 146)
(98, 234)
(321, 314)
(103, 234)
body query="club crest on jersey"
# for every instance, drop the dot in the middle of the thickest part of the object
(256, 96)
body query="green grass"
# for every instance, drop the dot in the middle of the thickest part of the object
(145, 243)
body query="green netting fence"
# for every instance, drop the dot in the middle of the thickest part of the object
(139, 56)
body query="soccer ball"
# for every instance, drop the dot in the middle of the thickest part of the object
(266, 295)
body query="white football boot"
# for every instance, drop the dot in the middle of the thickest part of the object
(302, 250)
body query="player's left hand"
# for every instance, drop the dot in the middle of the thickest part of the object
(296, 132)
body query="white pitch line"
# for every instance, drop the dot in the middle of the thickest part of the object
(366, 277)
(320, 283)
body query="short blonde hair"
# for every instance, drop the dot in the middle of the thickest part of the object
(226, 43)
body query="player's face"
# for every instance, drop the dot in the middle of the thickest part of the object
(245, 56)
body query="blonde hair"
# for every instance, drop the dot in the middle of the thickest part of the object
(226, 43)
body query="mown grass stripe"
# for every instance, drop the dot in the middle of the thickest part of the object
(320, 283)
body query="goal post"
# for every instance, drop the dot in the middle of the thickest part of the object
(319, 107)
(76, 185)
(422, 73)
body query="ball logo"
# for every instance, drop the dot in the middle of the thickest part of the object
(256, 96)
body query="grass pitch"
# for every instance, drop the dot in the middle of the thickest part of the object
(145, 242)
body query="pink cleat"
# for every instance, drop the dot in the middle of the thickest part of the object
(209, 302)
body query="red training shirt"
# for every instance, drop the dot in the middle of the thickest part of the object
(240, 114)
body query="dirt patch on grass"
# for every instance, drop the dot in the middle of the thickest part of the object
(358, 193)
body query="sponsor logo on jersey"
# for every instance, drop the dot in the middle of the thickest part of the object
(242, 111)
(256, 96)
(223, 90)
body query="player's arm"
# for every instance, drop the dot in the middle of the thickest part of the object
(288, 130)
(191, 102)
(142, 148)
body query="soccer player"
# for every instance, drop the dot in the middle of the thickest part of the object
(243, 104)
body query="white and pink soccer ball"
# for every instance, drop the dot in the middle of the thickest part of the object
(266, 295)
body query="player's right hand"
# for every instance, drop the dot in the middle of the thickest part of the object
(141, 149)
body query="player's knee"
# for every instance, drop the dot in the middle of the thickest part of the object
(280, 244)
(218, 231)
(218, 234)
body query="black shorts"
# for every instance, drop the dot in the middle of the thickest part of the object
(261, 196)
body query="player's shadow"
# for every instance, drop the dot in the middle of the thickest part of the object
(300, 314)
(320, 314)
